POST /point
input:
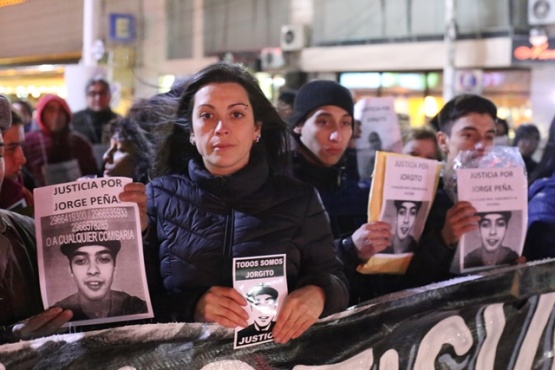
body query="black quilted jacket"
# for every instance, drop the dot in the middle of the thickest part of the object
(199, 222)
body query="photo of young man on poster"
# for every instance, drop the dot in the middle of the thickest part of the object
(406, 212)
(492, 228)
(92, 266)
(262, 301)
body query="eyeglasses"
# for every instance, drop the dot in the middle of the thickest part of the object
(99, 93)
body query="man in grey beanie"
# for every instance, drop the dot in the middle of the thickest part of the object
(21, 314)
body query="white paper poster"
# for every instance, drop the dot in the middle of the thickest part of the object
(380, 131)
(402, 191)
(90, 251)
(500, 198)
(262, 281)
(409, 189)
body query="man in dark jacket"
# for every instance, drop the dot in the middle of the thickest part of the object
(91, 122)
(322, 128)
(19, 284)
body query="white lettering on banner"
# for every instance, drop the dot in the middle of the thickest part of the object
(363, 360)
(494, 323)
(531, 341)
(389, 360)
(452, 330)
(228, 364)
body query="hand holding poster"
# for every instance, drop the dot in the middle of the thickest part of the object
(402, 191)
(86, 236)
(262, 281)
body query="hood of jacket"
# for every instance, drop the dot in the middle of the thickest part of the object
(41, 104)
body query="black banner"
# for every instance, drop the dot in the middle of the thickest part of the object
(498, 320)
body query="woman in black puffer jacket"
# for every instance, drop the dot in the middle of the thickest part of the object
(221, 194)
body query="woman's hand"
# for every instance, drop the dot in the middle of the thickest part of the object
(372, 238)
(300, 310)
(460, 219)
(136, 192)
(223, 306)
(44, 324)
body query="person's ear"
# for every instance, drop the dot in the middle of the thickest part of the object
(257, 130)
(443, 142)
(297, 129)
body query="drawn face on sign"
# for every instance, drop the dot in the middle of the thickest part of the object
(263, 309)
(406, 214)
(93, 269)
(493, 228)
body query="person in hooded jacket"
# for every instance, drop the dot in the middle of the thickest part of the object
(55, 153)
(224, 193)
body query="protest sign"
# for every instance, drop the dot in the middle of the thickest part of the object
(262, 281)
(500, 198)
(380, 131)
(89, 248)
(402, 191)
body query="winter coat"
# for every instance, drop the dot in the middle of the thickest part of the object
(540, 237)
(60, 146)
(198, 223)
(346, 202)
(19, 281)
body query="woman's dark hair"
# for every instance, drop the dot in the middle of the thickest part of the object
(546, 167)
(126, 129)
(175, 148)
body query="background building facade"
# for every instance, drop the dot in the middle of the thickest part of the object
(375, 48)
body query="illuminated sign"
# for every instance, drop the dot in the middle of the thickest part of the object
(4, 3)
(524, 51)
(122, 28)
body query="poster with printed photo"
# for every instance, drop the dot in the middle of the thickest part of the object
(262, 281)
(500, 198)
(90, 252)
(402, 191)
(380, 131)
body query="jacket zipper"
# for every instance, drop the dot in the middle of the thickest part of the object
(227, 261)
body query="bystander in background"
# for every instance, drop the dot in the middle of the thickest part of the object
(527, 139)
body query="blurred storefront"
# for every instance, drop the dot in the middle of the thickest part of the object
(419, 95)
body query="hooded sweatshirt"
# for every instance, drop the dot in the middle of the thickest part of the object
(47, 147)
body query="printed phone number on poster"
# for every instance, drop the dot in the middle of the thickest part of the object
(91, 214)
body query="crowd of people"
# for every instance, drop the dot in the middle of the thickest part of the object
(220, 173)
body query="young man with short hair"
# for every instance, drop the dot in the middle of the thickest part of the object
(466, 122)
(14, 196)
